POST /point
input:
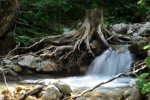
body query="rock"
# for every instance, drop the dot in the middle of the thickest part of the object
(12, 73)
(67, 31)
(144, 29)
(48, 66)
(19, 88)
(27, 71)
(64, 88)
(82, 98)
(119, 28)
(132, 94)
(51, 93)
(83, 69)
(30, 98)
(6, 61)
(127, 93)
(29, 61)
(16, 68)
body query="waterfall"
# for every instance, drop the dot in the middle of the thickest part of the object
(111, 62)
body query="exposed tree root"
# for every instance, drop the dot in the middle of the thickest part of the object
(69, 49)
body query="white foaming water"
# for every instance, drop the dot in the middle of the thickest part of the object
(111, 63)
(103, 68)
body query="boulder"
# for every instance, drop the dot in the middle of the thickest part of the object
(119, 28)
(64, 88)
(132, 94)
(48, 66)
(51, 93)
(145, 29)
(16, 68)
(29, 61)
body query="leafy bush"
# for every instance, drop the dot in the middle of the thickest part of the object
(143, 80)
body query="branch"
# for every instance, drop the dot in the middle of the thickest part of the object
(10, 52)
(36, 43)
(31, 92)
(110, 80)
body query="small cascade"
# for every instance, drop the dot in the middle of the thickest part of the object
(103, 67)
(111, 62)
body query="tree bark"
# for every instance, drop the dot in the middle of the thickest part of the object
(8, 13)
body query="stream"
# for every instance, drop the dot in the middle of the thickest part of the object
(110, 63)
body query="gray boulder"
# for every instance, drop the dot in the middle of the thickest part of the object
(52, 93)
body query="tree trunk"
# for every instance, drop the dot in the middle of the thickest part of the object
(8, 14)
(8, 11)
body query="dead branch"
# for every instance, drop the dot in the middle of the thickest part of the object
(5, 81)
(31, 92)
(10, 52)
(110, 80)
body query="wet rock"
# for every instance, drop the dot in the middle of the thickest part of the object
(12, 73)
(64, 88)
(6, 61)
(132, 94)
(16, 68)
(82, 98)
(127, 93)
(83, 69)
(144, 29)
(52, 93)
(30, 98)
(27, 71)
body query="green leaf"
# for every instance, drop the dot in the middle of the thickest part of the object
(140, 1)
(148, 61)
(146, 88)
(146, 47)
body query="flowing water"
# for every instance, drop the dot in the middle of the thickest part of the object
(109, 63)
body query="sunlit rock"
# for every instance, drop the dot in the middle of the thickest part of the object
(30, 98)
(64, 88)
(16, 68)
(52, 93)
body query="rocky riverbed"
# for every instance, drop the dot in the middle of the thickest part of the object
(61, 91)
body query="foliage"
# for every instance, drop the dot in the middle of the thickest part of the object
(143, 80)
(143, 83)
(47, 17)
